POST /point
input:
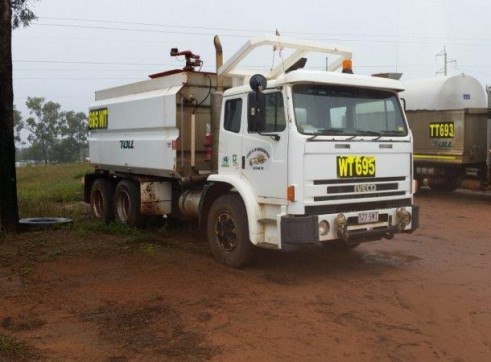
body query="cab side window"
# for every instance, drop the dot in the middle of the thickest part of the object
(275, 113)
(233, 113)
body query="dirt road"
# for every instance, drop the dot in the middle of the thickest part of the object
(93, 296)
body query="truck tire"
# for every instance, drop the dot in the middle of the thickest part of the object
(228, 232)
(127, 203)
(101, 200)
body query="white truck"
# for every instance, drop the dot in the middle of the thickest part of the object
(289, 158)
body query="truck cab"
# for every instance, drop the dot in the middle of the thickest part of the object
(330, 162)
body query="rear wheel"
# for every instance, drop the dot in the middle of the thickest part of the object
(127, 203)
(101, 200)
(228, 232)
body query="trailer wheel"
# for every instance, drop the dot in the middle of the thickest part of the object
(228, 232)
(127, 203)
(101, 200)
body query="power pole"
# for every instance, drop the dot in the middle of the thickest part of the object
(446, 61)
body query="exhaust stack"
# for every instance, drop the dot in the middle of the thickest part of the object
(216, 105)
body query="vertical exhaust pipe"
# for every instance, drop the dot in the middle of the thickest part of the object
(216, 105)
(219, 61)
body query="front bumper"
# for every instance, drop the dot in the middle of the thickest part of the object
(303, 230)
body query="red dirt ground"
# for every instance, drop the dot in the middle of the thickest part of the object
(424, 296)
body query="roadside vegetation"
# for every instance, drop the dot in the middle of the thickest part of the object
(51, 190)
(56, 191)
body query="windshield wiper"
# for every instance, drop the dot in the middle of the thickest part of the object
(325, 132)
(393, 133)
(366, 132)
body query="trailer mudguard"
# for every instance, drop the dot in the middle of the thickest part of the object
(254, 212)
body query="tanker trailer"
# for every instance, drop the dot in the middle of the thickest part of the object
(448, 119)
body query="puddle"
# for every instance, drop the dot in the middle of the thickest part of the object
(386, 258)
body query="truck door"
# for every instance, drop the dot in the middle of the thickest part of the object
(264, 154)
(230, 148)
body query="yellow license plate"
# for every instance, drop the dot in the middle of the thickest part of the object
(98, 118)
(356, 166)
(442, 130)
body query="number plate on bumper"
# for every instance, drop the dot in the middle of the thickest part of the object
(367, 217)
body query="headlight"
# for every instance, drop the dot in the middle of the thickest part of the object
(324, 228)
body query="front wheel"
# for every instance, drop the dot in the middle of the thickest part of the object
(228, 232)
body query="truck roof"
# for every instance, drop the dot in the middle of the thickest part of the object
(330, 78)
(280, 75)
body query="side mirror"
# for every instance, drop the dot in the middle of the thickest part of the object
(256, 103)
(256, 117)
(258, 83)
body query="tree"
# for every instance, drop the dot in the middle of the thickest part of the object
(44, 124)
(21, 14)
(74, 128)
(12, 14)
(17, 125)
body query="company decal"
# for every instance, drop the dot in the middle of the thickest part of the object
(442, 144)
(98, 118)
(127, 144)
(225, 161)
(234, 161)
(467, 97)
(355, 166)
(258, 159)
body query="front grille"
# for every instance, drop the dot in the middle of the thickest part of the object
(358, 180)
(358, 196)
(361, 206)
(359, 188)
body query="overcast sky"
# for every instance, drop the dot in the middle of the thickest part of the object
(78, 47)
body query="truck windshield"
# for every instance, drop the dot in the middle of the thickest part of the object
(339, 110)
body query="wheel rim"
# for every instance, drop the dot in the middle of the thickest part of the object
(225, 232)
(98, 204)
(123, 205)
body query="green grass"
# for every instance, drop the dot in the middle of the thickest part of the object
(56, 191)
(50, 190)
